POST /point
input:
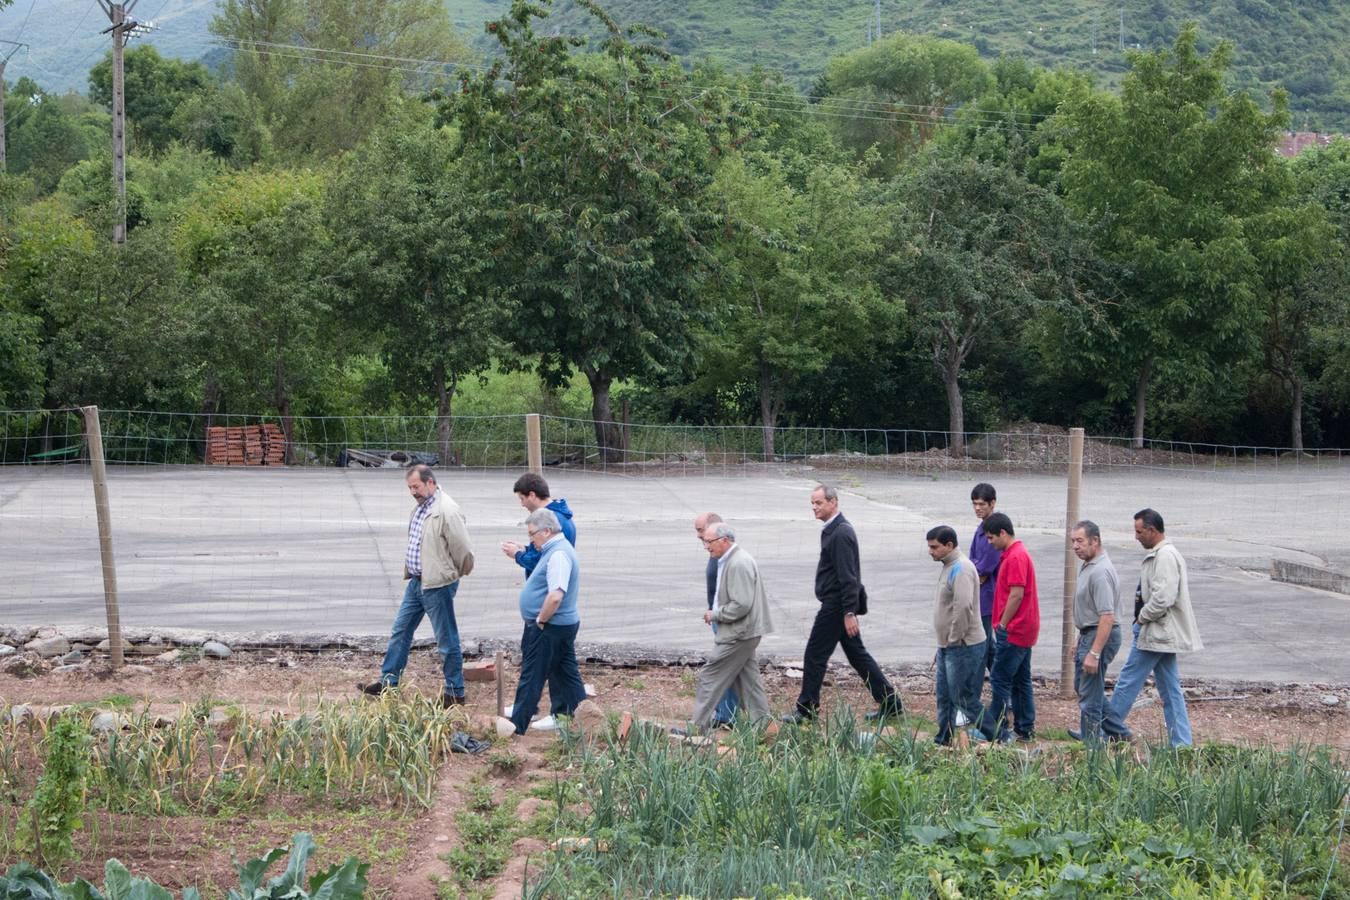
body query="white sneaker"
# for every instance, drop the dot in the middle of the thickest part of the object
(544, 723)
(509, 709)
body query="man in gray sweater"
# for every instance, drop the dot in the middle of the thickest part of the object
(960, 636)
(741, 611)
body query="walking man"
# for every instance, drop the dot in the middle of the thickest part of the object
(985, 559)
(532, 491)
(1096, 614)
(1164, 625)
(842, 599)
(548, 606)
(741, 614)
(726, 707)
(1017, 625)
(960, 636)
(437, 557)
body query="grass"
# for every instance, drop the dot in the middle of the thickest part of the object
(821, 813)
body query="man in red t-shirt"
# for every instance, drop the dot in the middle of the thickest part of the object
(1017, 624)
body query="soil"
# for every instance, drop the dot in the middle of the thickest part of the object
(406, 849)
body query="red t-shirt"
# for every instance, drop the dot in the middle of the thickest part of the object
(1016, 570)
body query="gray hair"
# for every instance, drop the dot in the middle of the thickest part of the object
(543, 519)
(828, 490)
(722, 530)
(1089, 529)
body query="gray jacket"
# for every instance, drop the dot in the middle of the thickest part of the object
(1166, 622)
(742, 610)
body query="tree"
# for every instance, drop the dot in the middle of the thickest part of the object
(255, 251)
(975, 247)
(1171, 172)
(791, 286)
(894, 93)
(410, 237)
(600, 164)
(155, 87)
(47, 134)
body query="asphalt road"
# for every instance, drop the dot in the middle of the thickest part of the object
(320, 550)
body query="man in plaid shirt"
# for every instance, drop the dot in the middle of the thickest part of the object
(437, 556)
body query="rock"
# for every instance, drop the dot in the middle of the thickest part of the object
(70, 667)
(216, 650)
(89, 634)
(24, 665)
(164, 720)
(795, 674)
(218, 717)
(169, 657)
(105, 722)
(19, 714)
(49, 647)
(986, 447)
(77, 647)
(73, 656)
(149, 648)
(1330, 700)
(442, 838)
(505, 727)
(469, 648)
(7, 650)
(18, 635)
(589, 715)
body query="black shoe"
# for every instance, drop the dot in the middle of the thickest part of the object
(374, 688)
(1028, 738)
(889, 711)
(679, 732)
(1074, 735)
(798, 718)
(449, 700)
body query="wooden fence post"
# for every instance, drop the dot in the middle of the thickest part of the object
(94, 435)
(1071, 517)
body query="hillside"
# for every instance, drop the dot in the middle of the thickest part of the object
(1300, 45)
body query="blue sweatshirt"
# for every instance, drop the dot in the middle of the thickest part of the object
(529, 557)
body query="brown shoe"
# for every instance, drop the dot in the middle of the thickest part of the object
(449, 700)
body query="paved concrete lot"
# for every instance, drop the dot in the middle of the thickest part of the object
(320, 550)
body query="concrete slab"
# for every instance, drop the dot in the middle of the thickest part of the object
(321, 550)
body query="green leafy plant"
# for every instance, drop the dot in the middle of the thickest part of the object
(338, 882)
(56, 809)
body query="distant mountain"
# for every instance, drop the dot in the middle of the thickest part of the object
(1302, 45)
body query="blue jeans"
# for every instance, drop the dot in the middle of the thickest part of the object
(727, 706)
(438, 605)
(1163, 666)
(960, 676)
(1009, 680)
(549, 655)
(1091, 689)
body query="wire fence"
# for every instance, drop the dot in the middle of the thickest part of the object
(316, 547)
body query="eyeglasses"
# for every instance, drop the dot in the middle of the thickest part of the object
(708, 542)
(531, 533)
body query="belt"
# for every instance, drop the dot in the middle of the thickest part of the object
(1087, 630)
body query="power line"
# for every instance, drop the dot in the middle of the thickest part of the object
(25, 20)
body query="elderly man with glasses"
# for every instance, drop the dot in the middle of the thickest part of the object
(548, 604)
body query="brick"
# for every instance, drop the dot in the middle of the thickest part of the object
(482, 670)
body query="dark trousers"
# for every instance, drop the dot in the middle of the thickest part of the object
(549, 655)
(988, 623)
(1010, 690)
(827, 632)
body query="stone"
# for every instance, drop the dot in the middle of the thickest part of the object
(1330, 700)
(589, 715)
(469, 648)
(149, 648)
(482, 670)
(169, 657)
(70, 667)
(49, 647)
(216, 650)
(81, 648)
(218, 717)
(793, 673)
(505, 727)
(105, 722)
(18, 635)
(7, 650)
(19, 714)
(164, 720)
(24, 665)
(73, 656)
(86, 635)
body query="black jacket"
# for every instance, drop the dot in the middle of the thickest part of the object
(838, 574)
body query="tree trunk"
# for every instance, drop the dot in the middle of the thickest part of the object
(1141, 401)
(956, 411)
(608, 434)
(445, 393)
(770, 404)
(283, 401)
(1296, 412)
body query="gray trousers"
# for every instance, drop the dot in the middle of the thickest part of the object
(731, 665)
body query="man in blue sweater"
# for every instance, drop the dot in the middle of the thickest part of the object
(548, 606)
(532, 491)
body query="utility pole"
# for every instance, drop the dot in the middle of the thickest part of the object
(17, 47)
(120, 28)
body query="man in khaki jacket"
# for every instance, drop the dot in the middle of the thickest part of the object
(741, 611)
(438, 554)
(960, 636)
(1164, 626)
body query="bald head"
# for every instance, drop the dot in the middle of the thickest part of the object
(703, 520)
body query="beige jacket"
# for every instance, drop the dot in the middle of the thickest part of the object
(742, 610)
(1166, 622)
(956, 607)
(447, 555)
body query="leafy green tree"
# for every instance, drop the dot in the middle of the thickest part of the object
(323, 73)
(976, 247)
(47, 133)
(894, 93)
(255, 250)
(1172, 171)
(155, 87)
(791, 286)
(226, 122)
(410, 237)
(600, 164)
